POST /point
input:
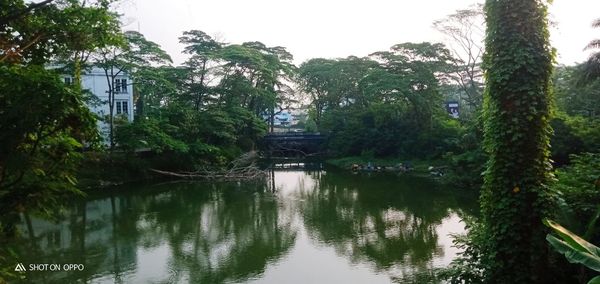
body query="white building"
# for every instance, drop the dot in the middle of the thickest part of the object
(96, 82)
(288, 117)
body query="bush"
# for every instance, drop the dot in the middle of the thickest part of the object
(579, 184)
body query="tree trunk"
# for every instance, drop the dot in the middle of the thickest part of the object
(515, 194)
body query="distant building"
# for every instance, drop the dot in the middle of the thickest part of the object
(287, 117)
(95, 81)
(282, 118)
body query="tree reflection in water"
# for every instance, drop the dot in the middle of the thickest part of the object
(390, 222)
(388, 227)
(212, 232)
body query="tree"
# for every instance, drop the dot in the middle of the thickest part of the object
(256, 77)
(573, 96)
(515, 196)
(387, 104)
(88, 27)
(315, 76)
(465, 30)
(579, 184)
(44, 123)
(44, 126)
(331, 83)
(19, 11)
(410, 78)
(592, 66)
(203, 49)
(25, 30)
(133, 55)
(155, 87)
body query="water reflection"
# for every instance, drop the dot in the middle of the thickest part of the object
(393, 223)
(294, 227)
(191, 233)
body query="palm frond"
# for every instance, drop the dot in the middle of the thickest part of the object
(591, 68)
(594, 44)
(596, 23)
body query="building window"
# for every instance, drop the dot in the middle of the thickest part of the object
(68, 81)
(120, 85)
(122, 107)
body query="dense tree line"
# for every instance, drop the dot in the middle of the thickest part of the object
(389, 104)
(211, 108)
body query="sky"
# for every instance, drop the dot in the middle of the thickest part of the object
(333, 28)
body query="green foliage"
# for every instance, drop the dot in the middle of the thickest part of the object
(575, 94)
(467, 164)
(515, 196)
(467, 266)
(133, 54)
(43, 126)
(576, 125)
(54, 30)
(210, 137)
(588, 129)
(575, 249)
(579, 184)
(567, 140)
(331, 83)
(387, 104)
(149, 133)
(310, 126)
(209, 110)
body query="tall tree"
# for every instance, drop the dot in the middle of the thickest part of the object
(331, 83)
(410, 76)
(131, 55)
(203, 49)
(255, 77)
(465, 31)
(315, 77)
(515, 195)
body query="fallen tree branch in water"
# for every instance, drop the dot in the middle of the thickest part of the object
(242, 168)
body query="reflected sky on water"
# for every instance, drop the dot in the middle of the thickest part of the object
(294, 227)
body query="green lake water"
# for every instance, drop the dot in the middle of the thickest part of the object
(294, 227)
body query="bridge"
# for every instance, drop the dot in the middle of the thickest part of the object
(292, 144)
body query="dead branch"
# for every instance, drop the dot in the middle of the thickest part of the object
(242, 168)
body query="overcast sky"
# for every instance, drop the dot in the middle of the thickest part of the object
(333, 28)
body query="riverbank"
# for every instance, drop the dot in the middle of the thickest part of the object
(452, 170)
(101, 169)
(417, 166)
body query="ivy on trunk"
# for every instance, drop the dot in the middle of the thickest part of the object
(515, 196)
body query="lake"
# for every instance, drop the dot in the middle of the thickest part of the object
(294, 227)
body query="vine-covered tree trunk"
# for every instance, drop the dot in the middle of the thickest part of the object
(515, 196)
